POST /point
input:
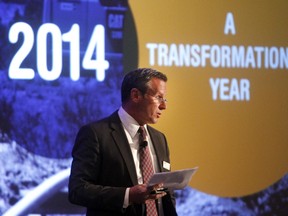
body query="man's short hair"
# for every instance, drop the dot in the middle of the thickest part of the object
(138, 79)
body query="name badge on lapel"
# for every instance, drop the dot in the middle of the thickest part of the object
(166, 165)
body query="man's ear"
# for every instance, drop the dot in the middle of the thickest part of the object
(135, 95)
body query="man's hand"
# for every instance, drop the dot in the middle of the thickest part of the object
(141, 193)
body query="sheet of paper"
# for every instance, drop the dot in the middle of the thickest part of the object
(173, 180)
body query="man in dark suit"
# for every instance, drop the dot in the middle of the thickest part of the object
(106, 176)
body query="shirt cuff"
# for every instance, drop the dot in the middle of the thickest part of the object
(126, 198)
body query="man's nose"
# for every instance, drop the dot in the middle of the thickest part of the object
(163, 105)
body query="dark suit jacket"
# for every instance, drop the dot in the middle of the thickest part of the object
(103, 168)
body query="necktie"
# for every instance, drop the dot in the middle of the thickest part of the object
(146, 167)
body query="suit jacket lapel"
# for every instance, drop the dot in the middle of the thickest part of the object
(157, 144)
(121, 141)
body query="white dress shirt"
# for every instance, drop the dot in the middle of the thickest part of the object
(131, 127)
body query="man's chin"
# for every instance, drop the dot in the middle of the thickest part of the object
(154, 121)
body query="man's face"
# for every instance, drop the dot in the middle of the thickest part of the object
(153, 102)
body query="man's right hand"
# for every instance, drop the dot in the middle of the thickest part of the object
(141, 193)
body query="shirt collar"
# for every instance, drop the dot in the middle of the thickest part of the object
(130, 124)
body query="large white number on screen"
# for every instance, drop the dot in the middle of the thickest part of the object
(56, 50)
(94, 57)
(14, 71)
(74, 39)
(97, 44)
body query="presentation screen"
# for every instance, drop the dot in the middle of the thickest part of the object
(61, 66)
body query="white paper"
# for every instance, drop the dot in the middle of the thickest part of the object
(173, 180)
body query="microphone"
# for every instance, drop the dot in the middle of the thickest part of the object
(143, 144)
